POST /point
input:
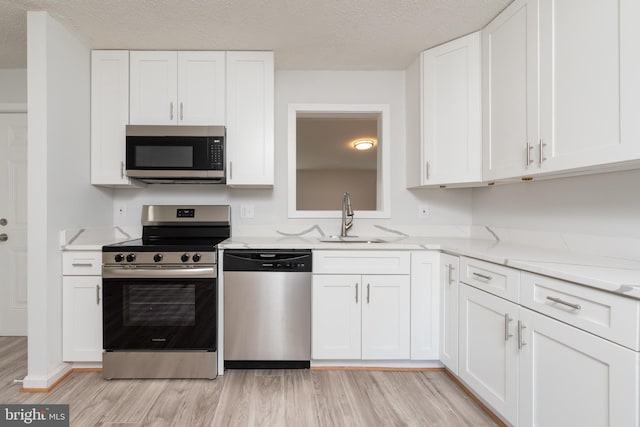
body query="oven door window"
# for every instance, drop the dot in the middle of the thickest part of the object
(161, 305)
(148, 314)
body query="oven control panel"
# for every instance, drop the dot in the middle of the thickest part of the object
(158, 258)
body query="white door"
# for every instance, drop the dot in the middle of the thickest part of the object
(449, 273)
(336, 317)
(452, 112)
(589, 61)
(386, 317)
(13, 224)
(250, 118)
(569, 377)
(82, 319)
(488, 352)
(154, 88)
(201, 88)
(424, 305)
(510, 91)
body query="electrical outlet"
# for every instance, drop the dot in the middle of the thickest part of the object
(423, 211)
(247, 211)
(122, 210)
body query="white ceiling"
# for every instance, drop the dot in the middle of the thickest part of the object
(305, 34)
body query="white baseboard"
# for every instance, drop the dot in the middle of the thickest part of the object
(46, 381)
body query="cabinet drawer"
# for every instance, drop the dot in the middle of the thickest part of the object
(82, 263)
(496, 279)
(361, 262)
(607, 315)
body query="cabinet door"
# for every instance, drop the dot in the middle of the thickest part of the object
(201, 88)
(154, 88)
(449, 289)
(424, 305)
(569, 377)
(336, 317)
(82, 319)
(510, 88)
(385, 317)
(250, 118)
(488, 352)
(589, 63)
(452, 132)
(109, 116)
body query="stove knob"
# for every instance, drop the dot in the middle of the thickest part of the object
(196, 257)
(119, 258)
(158, 257)
(131, 257)
(184, 257)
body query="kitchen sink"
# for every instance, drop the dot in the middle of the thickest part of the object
(350, 239)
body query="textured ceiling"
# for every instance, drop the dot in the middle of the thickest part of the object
(305, 34)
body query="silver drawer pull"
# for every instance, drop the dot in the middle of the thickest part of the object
(507, 320)
(482, 276)
(356, 293)
(82, 264)
(568, 304)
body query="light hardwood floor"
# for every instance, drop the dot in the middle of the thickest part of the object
(296, 398)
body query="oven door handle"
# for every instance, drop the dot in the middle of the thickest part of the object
(124, 273)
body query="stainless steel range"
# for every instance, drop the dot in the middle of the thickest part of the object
(160, 295)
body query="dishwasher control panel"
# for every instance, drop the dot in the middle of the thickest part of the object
(295, 260)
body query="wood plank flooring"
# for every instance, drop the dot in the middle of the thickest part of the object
(296, 398)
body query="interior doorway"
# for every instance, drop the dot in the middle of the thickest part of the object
(13, 224)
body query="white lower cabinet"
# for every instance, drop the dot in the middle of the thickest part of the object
(569, 377)
(361, 305)
(425, 305)
(449, 290)
(361, 317)
(547, 368)
(488, 352)
(82, 318)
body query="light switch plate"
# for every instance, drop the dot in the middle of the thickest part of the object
(247, 211)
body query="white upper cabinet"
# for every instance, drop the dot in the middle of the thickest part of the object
(589, 90)
(109, 116)
(444, 115)
(561, 93)
(510, 88)
(177, 88)
(250, 119)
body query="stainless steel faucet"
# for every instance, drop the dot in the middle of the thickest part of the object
(347, 215)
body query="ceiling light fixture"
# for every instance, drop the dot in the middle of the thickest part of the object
(363, 144)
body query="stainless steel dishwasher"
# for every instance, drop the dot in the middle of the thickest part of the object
(267, 308)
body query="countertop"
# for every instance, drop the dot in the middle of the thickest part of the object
(617, 275)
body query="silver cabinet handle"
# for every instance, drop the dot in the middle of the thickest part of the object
(122, 170)
(426, 171)
(368, 292)
(450, 270)
(3, 221)
(507, 320)
(482, 276)
(97, 294)
(4, 237)
(529, 148)
(542, 158)
(82, 264)
(356, 293)
(559, 301)
(181, 111)
(230, 170)
(521, 342)
(171, 111)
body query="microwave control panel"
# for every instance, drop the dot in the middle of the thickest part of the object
(216, 153)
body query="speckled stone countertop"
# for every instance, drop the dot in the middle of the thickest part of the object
(617, 275)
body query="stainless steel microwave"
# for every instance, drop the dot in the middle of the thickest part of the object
(176, 154)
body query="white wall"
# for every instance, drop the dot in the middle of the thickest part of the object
(13, 85)
(602, 204)
(322, 87)
(59, 193)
